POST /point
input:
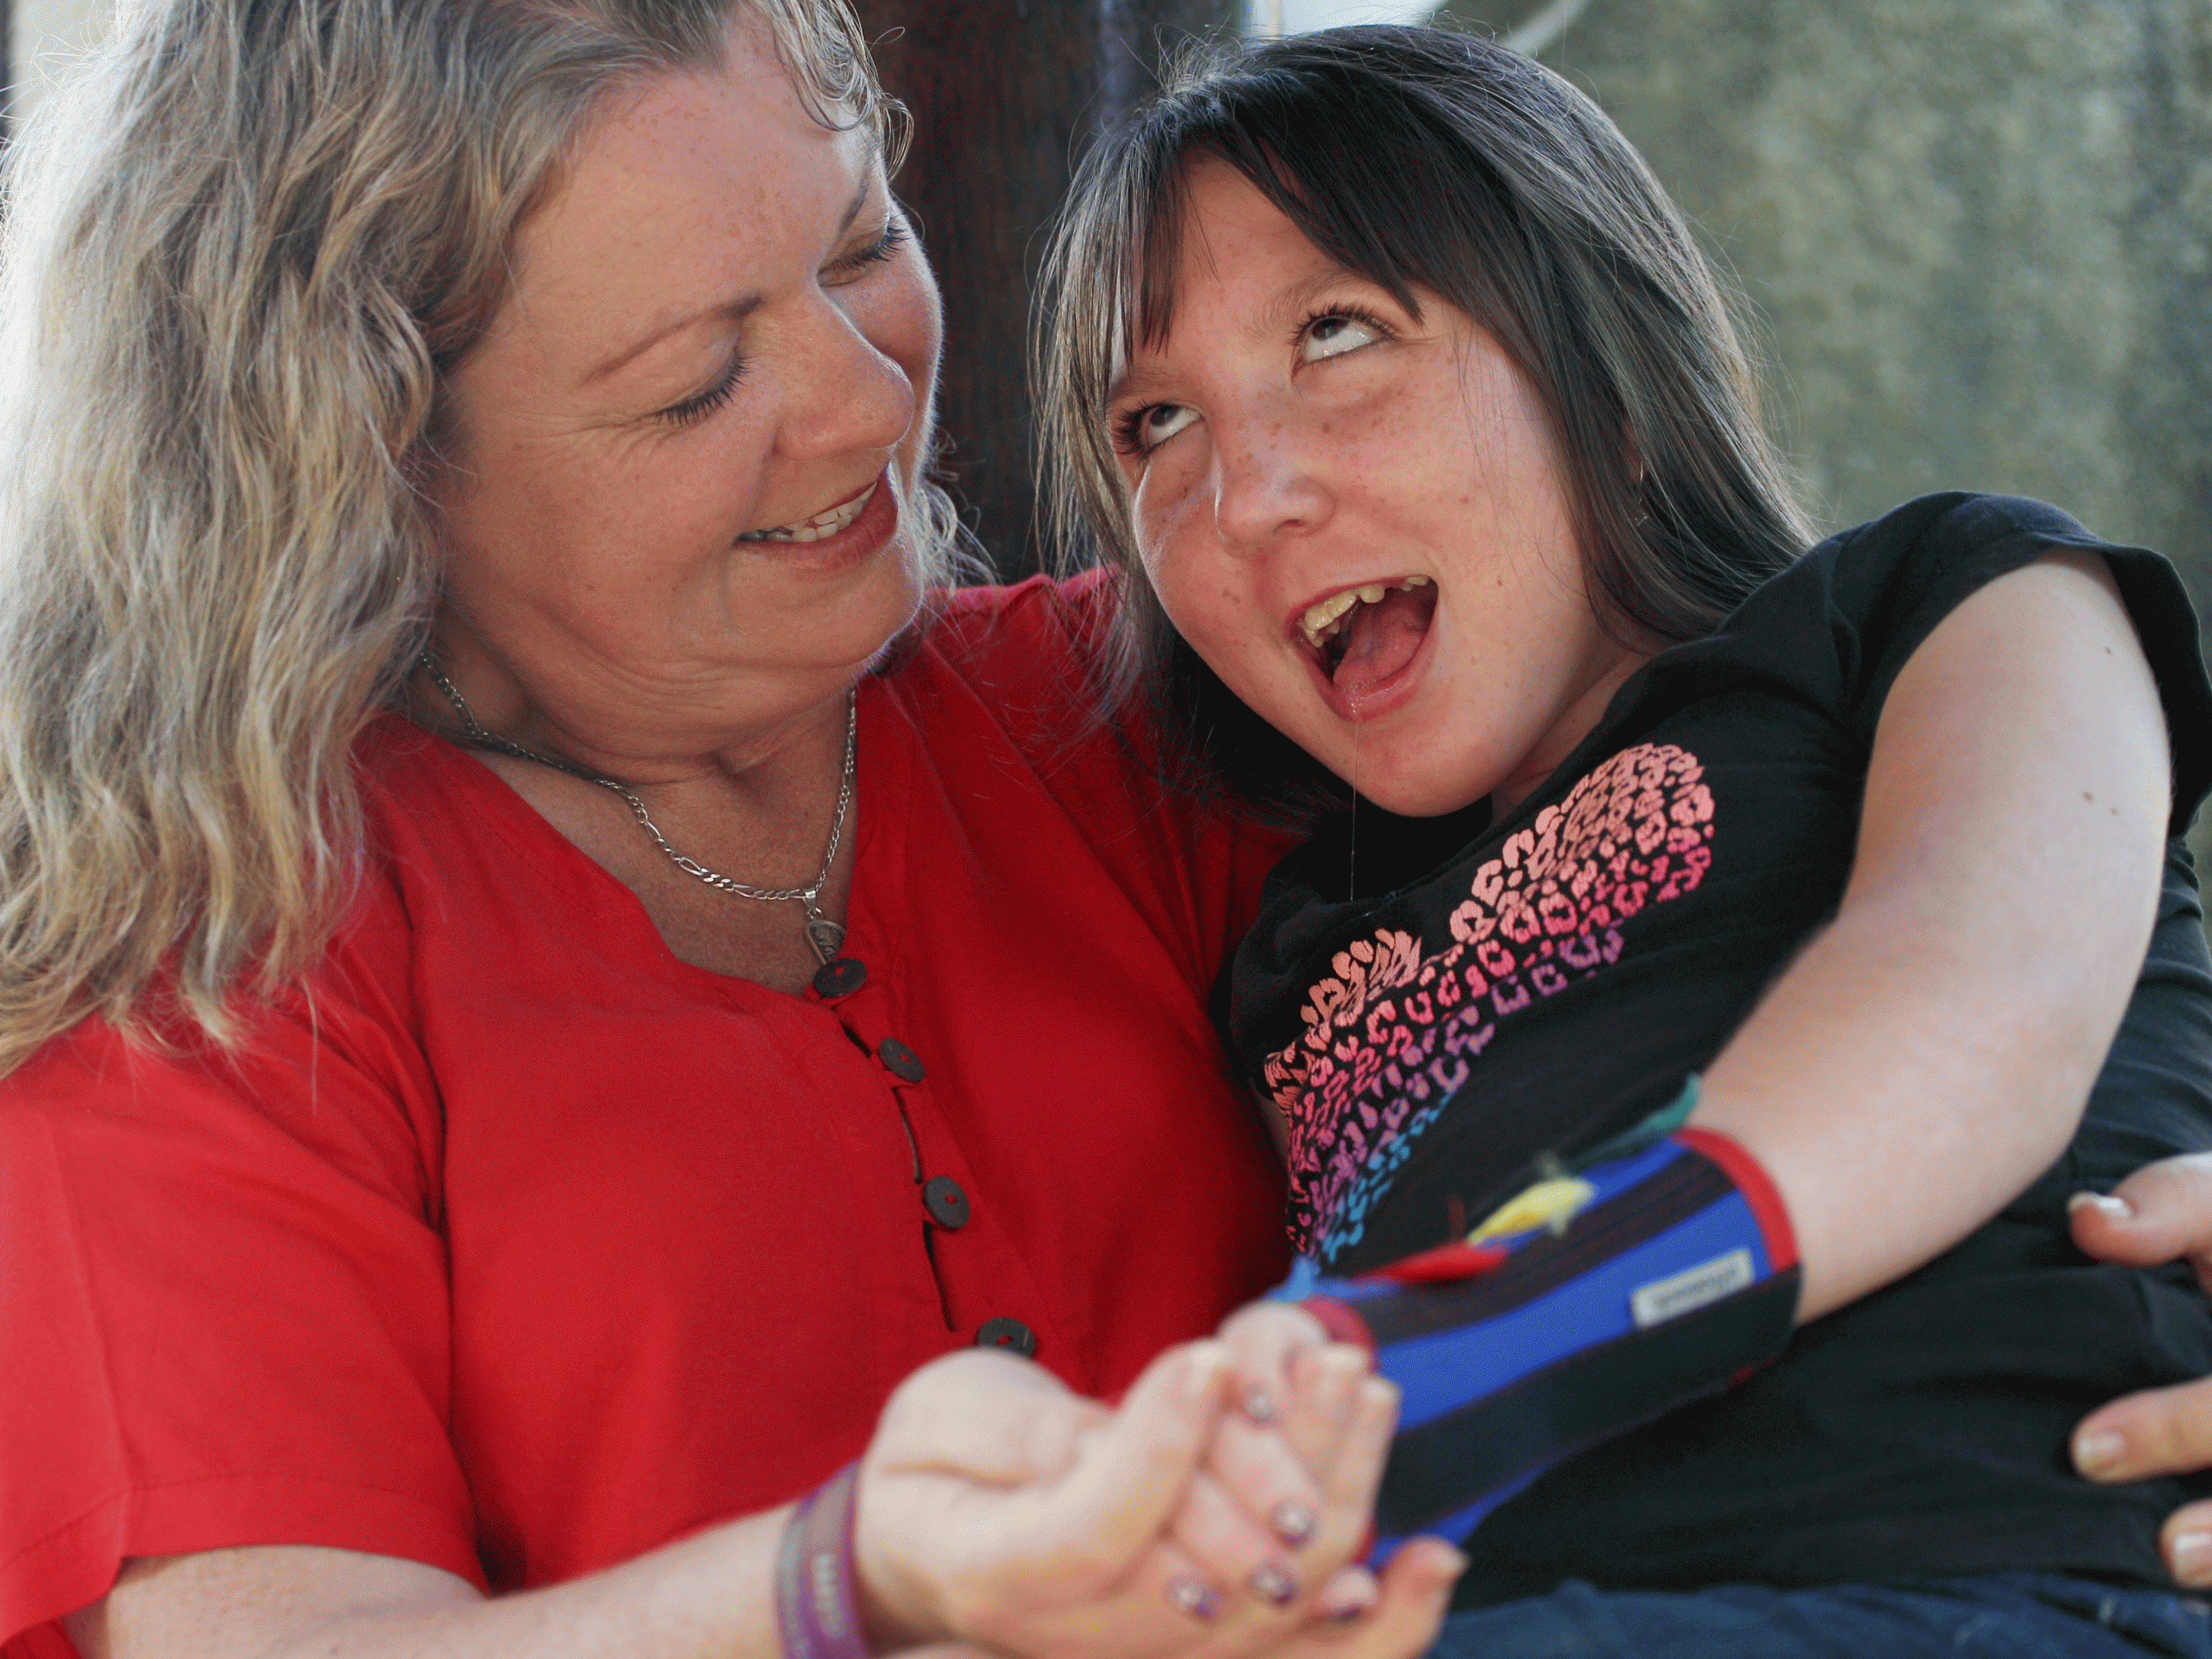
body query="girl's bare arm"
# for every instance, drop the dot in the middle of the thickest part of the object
(1931, 1051)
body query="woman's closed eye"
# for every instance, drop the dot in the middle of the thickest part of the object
(848, 267)
(700, 405)
(879, 251)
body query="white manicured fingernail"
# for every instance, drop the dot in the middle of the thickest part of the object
(2190, 1557)
(2110, 1205)
(2097, 1452)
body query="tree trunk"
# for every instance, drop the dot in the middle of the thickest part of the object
(1004, 92)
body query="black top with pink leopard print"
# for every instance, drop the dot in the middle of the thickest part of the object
(1551, 983)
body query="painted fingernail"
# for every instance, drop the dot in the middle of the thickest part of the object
(2099, 1453)
(1294, 1523)
(2111, 1205)
(1199, 1599)
(1351, 1613)
(2191, 1556)
(1274, 1585)
(1259, 1405)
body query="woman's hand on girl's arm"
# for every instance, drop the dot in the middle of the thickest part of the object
(1930, 1052)
(2163, 1213)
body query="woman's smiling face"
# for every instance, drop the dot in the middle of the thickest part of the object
(1359, 518)
(688, 445)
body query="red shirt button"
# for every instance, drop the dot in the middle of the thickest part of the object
(900, 1061)
(1010, 1334)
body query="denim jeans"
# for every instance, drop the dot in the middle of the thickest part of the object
(2007, 1616)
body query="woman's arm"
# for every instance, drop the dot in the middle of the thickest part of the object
(1931, 1051)
(708, 1595)
(994, 1502)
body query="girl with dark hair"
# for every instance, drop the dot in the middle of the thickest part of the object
(1699, 937)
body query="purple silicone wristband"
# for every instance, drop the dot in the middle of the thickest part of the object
(817, 1612)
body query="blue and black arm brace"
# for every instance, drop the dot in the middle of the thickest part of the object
(1660, 1268)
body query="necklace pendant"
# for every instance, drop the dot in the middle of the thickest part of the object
(824, 935)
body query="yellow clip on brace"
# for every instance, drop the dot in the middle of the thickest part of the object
(1552, 1204)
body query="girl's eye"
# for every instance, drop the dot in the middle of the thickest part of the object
(1162, 421)
(1142, 430)
(1334, 334)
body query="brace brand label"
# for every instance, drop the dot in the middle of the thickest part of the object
(1685, 1292)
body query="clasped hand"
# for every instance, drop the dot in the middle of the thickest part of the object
(1207, 1515)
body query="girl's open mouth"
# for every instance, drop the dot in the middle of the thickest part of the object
(1363, 635)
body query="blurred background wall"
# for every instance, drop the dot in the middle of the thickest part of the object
(1976, 234)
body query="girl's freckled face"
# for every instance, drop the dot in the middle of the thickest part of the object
(1359, 518)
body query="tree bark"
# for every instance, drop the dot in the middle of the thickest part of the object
(1004, 92)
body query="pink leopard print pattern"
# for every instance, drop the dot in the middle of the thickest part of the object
(1393, 1035)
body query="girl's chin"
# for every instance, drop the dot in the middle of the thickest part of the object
(1400, 777)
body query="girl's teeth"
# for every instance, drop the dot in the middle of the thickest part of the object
(1322, 621)
(1322, 617)
(823, 524)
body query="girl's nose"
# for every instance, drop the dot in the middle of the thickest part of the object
(1265, 487)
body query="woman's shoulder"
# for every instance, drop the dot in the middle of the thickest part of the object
(1042, 621)
(434, 812)
(396, 761)
(1030, 663)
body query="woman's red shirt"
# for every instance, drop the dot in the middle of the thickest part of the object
(516, 1246)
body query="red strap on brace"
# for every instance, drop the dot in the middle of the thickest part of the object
(1757, 1188)
(1446, 1264)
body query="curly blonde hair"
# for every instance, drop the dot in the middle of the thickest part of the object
(244, 247)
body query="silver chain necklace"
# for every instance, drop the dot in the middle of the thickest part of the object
(823, 935)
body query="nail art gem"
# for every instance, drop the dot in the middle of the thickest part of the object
(1194, 1597)
(1292, 1523)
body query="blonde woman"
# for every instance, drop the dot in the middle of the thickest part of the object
(462, 1189)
